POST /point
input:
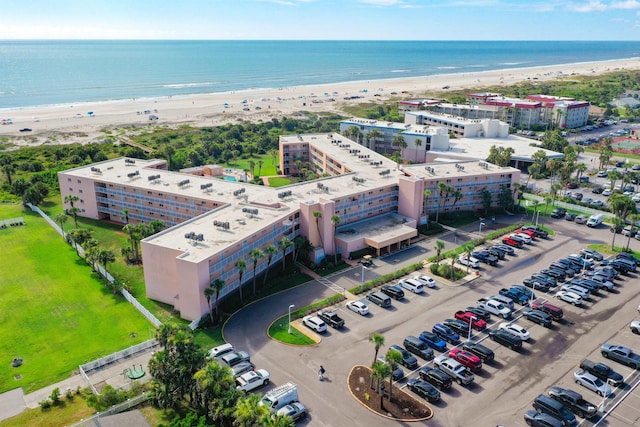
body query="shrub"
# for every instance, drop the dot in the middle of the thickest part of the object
(433, 268)
(385, 278)
(45, 404)
(55, 396)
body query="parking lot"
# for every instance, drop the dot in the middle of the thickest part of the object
(503, 390)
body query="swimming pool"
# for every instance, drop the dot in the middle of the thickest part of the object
(230, 178)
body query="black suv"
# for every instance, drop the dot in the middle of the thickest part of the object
(484, 353)
(539, 317)
(540, 286)
(574, 401)
(485, 257)
(394, 291)
(506, 338)
(602, 371)
(408, 361)
(457, 325)
(568, 270)
(558, 213)
(436, 377)
(539, 232)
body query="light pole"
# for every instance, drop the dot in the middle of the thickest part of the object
(471, 319)
(533, 285)
(362, 278)
(290, 307)
(604, 399)
(537, 217)
(481, 224)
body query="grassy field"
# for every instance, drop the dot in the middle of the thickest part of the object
(67, 413)
(55, 313)
(268, 165)
(278, 182)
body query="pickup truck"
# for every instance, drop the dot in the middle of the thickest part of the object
(494, 307)
(468, 317)
(331, 318)
(574, 401)
(252, 380)
(454, 369)
(621, 354)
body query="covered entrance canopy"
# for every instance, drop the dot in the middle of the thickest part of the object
(384, 234)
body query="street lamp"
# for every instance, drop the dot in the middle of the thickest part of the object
(481, 224)
(362, 278)
(533, 286)
(471, 319)
(290, 307)
(604, 399)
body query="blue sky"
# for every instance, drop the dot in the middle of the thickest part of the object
(323, 19)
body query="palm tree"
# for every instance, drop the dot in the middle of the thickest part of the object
(442, 188)
(105, 257)
(373, 136)
(453, 263)
(247, 412)
(393, 358)
(8, 170)
(535, 205)
(276, 420)
(252, 167)
(617, 223)
(418, 144)
(260, 163)
(439, 247)
(241, 265)
(60, 219)
(255, 255)
(468, 248)
(71, 199)
(284, 244)
(335, 220)
(125, 215)
(91, 254)
(269, 252)
(580, 169)
(217, 286)
(208, 293)
(426, 193)
(318, 216)
(169, 151)
(379, 371)
(378, 341)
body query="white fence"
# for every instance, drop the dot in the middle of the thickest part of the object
(115, 409)
(143, 346)
(565, 205)
(11, 222)
(146, 313)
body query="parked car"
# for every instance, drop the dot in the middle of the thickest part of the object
(572, 185)
(621, 354)
(591, 382)
(433, 340)
(524, 238)
(540, 419)
(470, 318)
(602, 371)
(394, 291)
(458, 326)
(496, 252)
(538, 317)
(573, 401)
(233, 358)
(408, 361)
(242, 368)
(423, 389)
(569, 297)
(446, 333)
(548, 405)
(513, 243)
(484, 353)
(554, 311)
(331, 318)
(466, 359)
(295, 410)
(480, 313)
(597, 190)
(569, 216)
(412, 285)
(427, 281)
(418, 347)
(559, 275)
(468, 261)
(635, 326)
(436, 377)
(558, 213)
(540, 232)
(514, 296)
(315, 323)
(485, 257)
(506, 338)
(515, 329)
(252, 380)
(534, 284)
(592, 253)
(579, 290)
(506, 248)
(358, 307)
(524, 291)
(581, 219)
(396, 371)
(628, 256)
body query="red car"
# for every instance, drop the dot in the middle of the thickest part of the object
(468, 317)
(511, 242)
(528, 233)
(467, 359)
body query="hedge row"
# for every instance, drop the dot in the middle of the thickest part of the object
(312, 308)
(385, 278)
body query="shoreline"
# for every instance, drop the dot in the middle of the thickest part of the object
(71, 121)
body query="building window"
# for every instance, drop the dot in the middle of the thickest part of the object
(69, 179)
(70, 189)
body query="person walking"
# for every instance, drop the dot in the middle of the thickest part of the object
(321, 373)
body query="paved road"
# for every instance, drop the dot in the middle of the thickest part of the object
(502, 391)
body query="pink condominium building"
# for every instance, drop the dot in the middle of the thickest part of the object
(213, 223)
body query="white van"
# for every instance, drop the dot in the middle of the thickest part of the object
(595, 220)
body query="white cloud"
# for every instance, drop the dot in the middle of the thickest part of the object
(601, 6)
(383, 2)
(286, 2)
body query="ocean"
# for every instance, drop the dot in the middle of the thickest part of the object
(36, 73)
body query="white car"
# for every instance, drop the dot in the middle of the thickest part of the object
(315, 323)
(607, 192)
(252, 380)
(412, 285)
(636, 198)
(569, 297)
(295, 410)
(527, 239)
(429, 282)
(519, 238)
(635, 326)
(591, 382)
(470, 261)
(515, 329)
(579, 290)
(359, 307)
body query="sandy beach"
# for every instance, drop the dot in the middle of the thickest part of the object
(73, 123)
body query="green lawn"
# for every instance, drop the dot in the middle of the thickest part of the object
(279, 330)
(278, 182)
(268, 165)
(55, 313)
